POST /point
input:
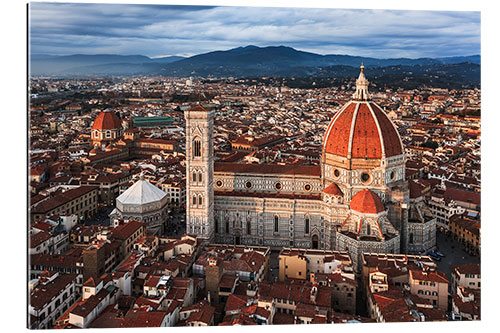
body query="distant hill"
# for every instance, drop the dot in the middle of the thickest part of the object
(253, 61)
(81, 64)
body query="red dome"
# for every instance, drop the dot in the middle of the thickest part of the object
(361, 129)
(107, 120)
(367, 202)
(372, 132)
(333, 189)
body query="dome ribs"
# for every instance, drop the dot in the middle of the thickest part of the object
(366, 141)
(392, 143)
(339, 135)
(367, 202)
(107, 120)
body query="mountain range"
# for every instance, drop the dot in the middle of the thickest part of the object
(240, 62)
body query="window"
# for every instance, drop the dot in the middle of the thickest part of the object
(365, 177)
(368, 229)
(249, 228)
(411, 238)
(307, 225)
(197, 147)
(276, 220)
(194, 200)
(200, 200)
(227, 227)
(194, 177)
(200, 177)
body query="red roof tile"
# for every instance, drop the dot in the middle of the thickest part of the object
(106, 120)
(366, 201)
(366, 139)
(333, 189)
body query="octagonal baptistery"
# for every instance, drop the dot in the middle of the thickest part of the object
(362, 147)
(142, 202)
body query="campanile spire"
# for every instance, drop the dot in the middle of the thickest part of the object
(361, 93)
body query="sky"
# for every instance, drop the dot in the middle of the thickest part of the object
(164, 30)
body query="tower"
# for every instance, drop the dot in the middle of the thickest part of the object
(213, 274)
(199, 172)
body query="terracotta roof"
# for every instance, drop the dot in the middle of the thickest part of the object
(198, 107)
(467, 269)
(364, 118)
(39, 238)
(126, 230)
(308, 196)
(415, 189)
(290, 169)
(436, 276)
(283, 319)
(137, 318)
(43, 293)
(366, 201)
(107, 120)
(61, 198)
(333, 189)
(235, 302)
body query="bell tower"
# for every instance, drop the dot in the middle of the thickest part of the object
(199, 172)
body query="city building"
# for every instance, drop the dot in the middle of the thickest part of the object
(357, 199)
(80, 200)
(107, 127)
(142, 202)
(49, 297)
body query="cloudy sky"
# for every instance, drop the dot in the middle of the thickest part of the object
(162, 30)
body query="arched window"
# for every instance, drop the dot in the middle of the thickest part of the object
(194, 177)
(197, 147)
(307, 225)
(200, 177)
(227, 226)
(368, 229)
(194, 200)
(200, 200)
(411, 238)
(249, 228)
(276, 220)
(216, 227)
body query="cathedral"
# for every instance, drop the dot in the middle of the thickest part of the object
(356, 200)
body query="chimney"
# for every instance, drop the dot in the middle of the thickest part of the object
(314, 293)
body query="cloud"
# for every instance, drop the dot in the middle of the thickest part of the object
(60, 28)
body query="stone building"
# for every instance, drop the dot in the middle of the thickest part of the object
(107, 127)
(142, 202)
(356, 200)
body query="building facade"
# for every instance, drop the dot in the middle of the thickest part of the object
(357, 200)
